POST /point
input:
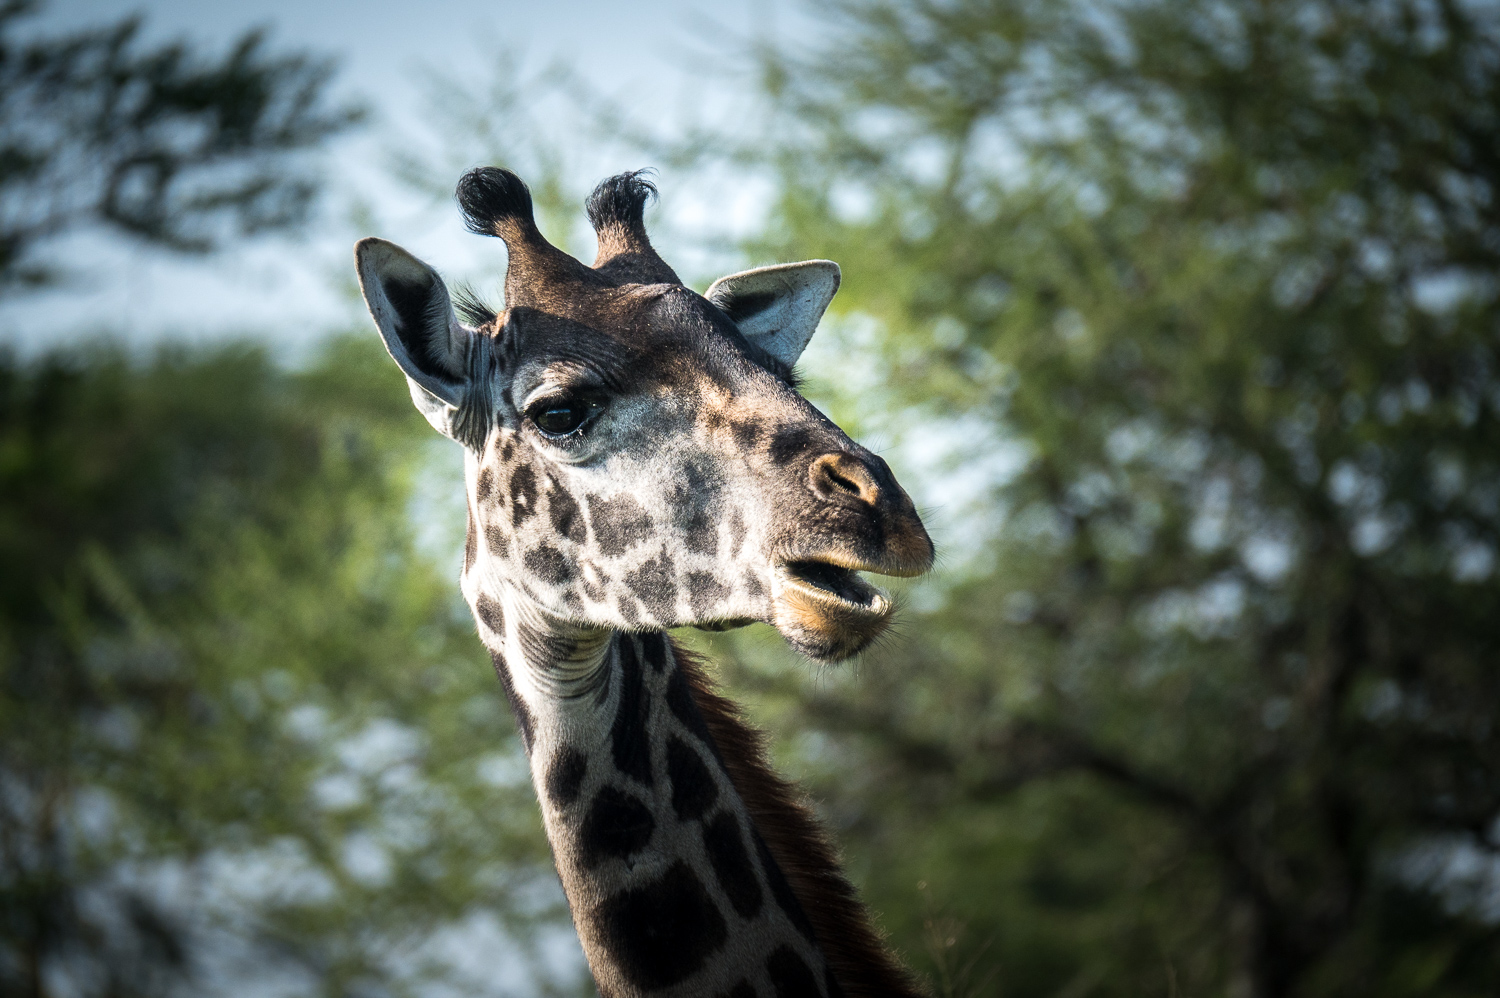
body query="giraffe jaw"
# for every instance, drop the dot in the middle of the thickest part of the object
(826, 610)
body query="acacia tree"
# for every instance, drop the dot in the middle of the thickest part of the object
(247, 736)
(161, 144)
(1209, 699)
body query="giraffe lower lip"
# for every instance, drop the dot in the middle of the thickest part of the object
(828, 611)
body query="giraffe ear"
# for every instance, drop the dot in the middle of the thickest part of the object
(777, 308)
(411, 308)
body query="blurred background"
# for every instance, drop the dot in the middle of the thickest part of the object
(1180, 319)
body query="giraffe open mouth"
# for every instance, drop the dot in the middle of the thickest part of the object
(845, 585)
(828, 610)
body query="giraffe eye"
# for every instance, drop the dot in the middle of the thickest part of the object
(558, 417)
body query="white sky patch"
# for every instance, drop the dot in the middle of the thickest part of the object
(477, 956)
(1213, 610)
(1463, 874)
(437, 510)
(1268, 556)
(380, 744)
(338, 791)
(504, 769)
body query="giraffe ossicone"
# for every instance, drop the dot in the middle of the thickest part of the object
(637, 458)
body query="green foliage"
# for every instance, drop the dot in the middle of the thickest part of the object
(245, 727)
(1206, 698)
(1182, 316)
(160, 144)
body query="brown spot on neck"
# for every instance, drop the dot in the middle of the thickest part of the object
(855, 952)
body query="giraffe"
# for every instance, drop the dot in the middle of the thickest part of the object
(638, 458)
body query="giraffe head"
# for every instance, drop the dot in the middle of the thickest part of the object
(638, 454)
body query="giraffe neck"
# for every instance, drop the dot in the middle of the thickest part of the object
(689, 867)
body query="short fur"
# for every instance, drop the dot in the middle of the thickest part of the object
(496, 202)
(860, 961)
(617, 211)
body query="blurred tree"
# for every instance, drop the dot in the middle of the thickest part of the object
(160, 143)
(244, 735)
(247, 737)
(1207, 699)
(506, 117)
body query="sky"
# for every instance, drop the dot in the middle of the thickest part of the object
(667, 61)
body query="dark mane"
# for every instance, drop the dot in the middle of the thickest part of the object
(471, 308)
(856, 955)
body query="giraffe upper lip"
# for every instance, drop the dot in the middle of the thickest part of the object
(900, 567)
(907, 561)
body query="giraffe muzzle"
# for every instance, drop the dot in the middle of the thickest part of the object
(822, 605)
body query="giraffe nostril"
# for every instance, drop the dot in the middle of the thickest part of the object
(843, 474)
(842, 482)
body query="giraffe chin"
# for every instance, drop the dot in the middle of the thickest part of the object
(828, 612)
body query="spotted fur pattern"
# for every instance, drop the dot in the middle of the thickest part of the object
(698, 485)
(653, 521)
(673, 890)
